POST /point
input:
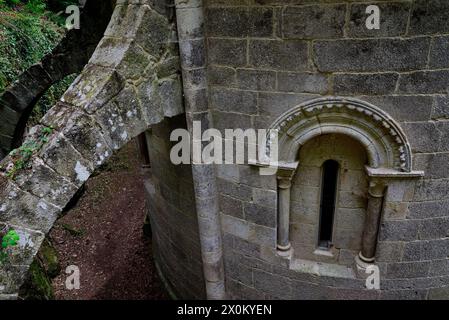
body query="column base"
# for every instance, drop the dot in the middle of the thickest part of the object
(361, 265)
(284, 250)
(365, 259)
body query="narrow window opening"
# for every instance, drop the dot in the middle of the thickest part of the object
(327, 206)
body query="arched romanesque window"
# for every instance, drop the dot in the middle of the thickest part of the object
(371, 151)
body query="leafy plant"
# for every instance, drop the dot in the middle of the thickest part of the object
(36, 6)
(9, 240)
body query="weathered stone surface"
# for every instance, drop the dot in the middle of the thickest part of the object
(429, 17)
(439, 268)
(423, 136)
(439, 293)
(435, 165)
(277, 103)
(9, 121)
(404, 294)
(393, 20)
(266, 198)
(273, 284)
(313, 22)
(93, 88)
(221, 76)
(62, 157)
(404, 108)
(237, 227)
(239, 272)
(370, 84)
(233, 100)
(425, 82)
(235, 190)
(83, 132)
(428, 209)
(110, 52)
(11, 278)
(389, 251)
(399, 230)
(438, 56)
(426, 250)
(371, 55)
(256, 80)
(227, 52)
(238, 291)
(240, 22)
(302, 82)
(407, 270)
(229, 120)
(231, 206)
(192, 53)
(153, 34)
(23, 209)
(45, 183)
(279, 55)
(441, 108)
(437, 228)
(260, 215)
(25, 250)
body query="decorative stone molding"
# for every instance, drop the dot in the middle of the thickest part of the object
(387, 147)
(384, 140)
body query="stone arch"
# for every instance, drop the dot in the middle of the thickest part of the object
(68, 57)
(385, 142)
(389, 156)
(131, 83)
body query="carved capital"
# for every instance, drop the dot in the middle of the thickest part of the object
(285, 175)
(284, 183)
(376, 188)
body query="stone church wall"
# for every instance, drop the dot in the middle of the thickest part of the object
(267, 56)
(171, 208)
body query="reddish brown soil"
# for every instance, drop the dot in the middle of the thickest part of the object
(112, 253)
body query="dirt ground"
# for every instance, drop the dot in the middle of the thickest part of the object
(103, 235)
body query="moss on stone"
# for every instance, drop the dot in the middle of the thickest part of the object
(49, 259)
(38, 285)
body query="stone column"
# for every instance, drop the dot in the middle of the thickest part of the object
(376, 193)
(284, 188)
(190, 23)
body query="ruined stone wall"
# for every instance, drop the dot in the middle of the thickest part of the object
(172, 212)
(267, 56)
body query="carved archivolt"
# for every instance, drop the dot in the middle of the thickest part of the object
(384, 140)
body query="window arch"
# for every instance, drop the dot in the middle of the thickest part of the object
(388, 153)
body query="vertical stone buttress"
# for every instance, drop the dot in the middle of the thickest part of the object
(190, 21)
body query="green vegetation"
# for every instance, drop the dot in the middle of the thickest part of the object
(29, 29)
(21, 157)
(49, 99)
(9, 240)
(38, 285)
(25, 37)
